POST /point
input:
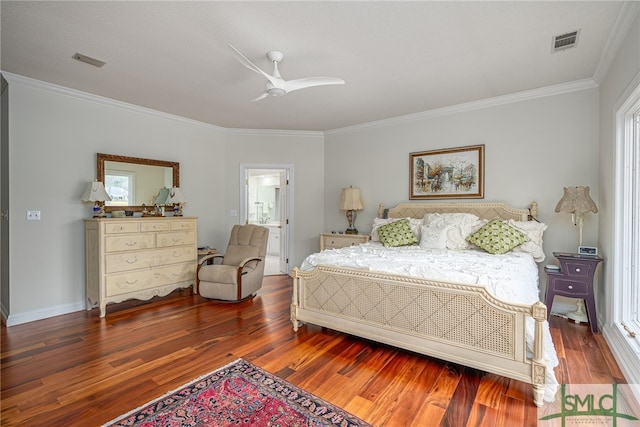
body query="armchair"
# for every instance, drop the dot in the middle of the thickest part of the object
(239, 275)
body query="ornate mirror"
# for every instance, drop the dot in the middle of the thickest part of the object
(133, 182)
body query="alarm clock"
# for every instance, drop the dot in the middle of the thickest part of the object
(587, 250)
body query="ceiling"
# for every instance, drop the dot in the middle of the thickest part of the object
(396, 57)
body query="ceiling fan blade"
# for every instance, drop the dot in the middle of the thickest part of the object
(253, 67)
(259, 97)
(297, 84)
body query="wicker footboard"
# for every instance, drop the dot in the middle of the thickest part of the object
(454, 322)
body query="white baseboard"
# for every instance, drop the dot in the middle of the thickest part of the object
(627, 358)
(30, 316)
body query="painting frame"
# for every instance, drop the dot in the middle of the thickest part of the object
(449, 173)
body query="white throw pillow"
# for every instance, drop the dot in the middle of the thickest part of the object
(534, 231)
(460, 226)
(434, 237)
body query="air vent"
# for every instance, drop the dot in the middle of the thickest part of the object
(88, 60)
(565, 41)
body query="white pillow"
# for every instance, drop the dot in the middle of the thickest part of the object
(534, 231)
(415, 224)
(460, 226)
(434, 237)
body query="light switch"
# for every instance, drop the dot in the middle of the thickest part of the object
(33, 215)
(233, 212)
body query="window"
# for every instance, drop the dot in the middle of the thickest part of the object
(626, 259)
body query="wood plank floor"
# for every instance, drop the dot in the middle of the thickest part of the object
(80, 370)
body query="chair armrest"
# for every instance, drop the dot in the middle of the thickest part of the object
(247, 260)
(209, 257)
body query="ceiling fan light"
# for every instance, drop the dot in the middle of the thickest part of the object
(276, 91)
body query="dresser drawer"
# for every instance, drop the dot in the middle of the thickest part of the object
(185, 225)
(154, 226)
(570, 288)
(139, 280)
(128, 261)
(121, 227)
(178, 238)
(128, 243)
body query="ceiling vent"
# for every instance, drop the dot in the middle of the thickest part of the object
(565, 41)
(88, 60)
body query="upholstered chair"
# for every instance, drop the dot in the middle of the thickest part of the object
(239, 274)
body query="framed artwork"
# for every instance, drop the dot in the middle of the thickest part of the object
(448, 173)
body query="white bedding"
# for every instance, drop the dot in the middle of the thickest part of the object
(512, 277)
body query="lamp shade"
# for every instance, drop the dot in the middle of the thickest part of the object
(95, 192)
(350, 200)
(576, 200)
(176, 196)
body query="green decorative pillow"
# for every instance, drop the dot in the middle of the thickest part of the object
(397, 233)
(497, 237)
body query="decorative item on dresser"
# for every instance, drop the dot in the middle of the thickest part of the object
(574, 279)
(138, 258)
(177, 199)
(334, 241)
(95, 192)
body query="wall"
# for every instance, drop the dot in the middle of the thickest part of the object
(305, 152)
(54, 135)
(533, 148)
(53, 161)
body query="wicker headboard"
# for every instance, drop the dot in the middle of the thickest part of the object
(481, 209)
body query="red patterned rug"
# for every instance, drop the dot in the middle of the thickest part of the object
(239, 394)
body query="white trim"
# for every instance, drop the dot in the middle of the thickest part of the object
(618, 33)
(623, 353)
(473, 105)
(30, 316)
(276, 132)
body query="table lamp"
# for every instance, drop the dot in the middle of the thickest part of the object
(177, 199)
(96, 193)
(577, 202)
(351, 202)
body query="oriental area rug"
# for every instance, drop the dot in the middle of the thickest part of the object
(239, 394)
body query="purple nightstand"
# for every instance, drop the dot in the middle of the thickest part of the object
(574, 280)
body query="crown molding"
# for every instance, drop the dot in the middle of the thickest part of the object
(61, 90)
(473, 105)
(73, 93)
(621, 27)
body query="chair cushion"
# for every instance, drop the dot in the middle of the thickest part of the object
(246, 241)
(218, 273)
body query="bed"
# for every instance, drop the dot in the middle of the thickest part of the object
(459, 320)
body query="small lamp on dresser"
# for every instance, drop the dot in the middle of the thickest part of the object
(351, 202)
(96, 193)
(177, 199)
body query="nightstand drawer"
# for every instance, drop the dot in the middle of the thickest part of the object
(336, 241)
(570, 288)
(577, 269)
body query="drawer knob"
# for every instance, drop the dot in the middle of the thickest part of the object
(577, 270)
(570, 286)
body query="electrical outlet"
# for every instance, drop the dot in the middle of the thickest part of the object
(33, 215)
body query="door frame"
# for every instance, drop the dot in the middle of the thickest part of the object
(287, 242)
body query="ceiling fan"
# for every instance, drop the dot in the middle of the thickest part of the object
(276, 85)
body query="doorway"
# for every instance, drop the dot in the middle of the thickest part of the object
(265, 200)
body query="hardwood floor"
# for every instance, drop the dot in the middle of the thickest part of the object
(80, 370)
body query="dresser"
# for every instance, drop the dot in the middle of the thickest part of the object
(138, 258)
(574, 279)
(335, 241)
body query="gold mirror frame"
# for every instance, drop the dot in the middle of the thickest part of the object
(101, 158)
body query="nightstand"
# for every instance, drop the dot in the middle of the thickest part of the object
(574, 280)
(335, 241)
